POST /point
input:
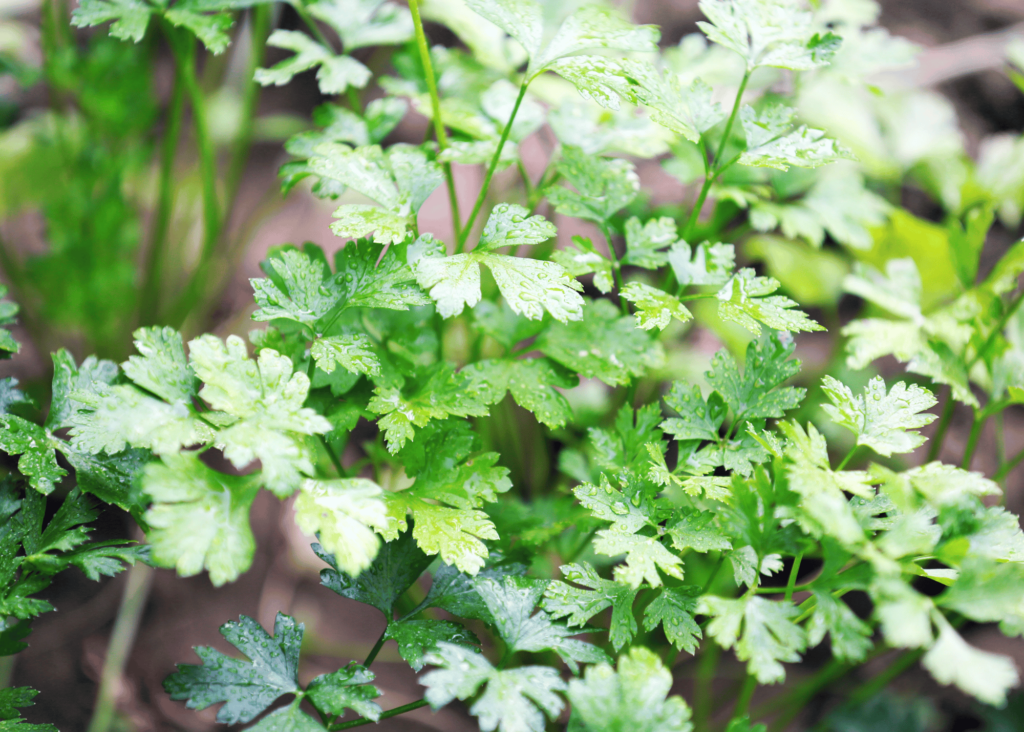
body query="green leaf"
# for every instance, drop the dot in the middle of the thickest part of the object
(362, 23)
(347, 688)
(111, 478)
(351, 352)
(768, 33)
(247, 687)
(130, 17)
(531, 382)
(696, 530)
(756, 394)
(689, 112)
(697, 419)
(604, 345)
(399, 179)
(335, 75)
(529, 286)
(644, 243)
(635, 697)
(370, 276)
(11, 699)
(444, 501)
(199, 518)
(706, 264)
(747, 299)
(644, 557)
(344, 514)
(883, 422)
(562, 600)
(417, 638)
(212, 30)
(589, 27)
(511, 603)
(397, 565)
(511, 225)
(68, 379)
(903, 613)
(824, 508)
(986, 676)
(266, 398)
(287, 719)
(850, 636)
(112, 418)
(773, 143)
(161, 366)
(514, 701)
(603, 185)
(455, 591)
(38, 462)
(305, 293)
(609, 504)
(674, 609)
(441, 394)
(583, 259)
(769, 635)
(655, 308)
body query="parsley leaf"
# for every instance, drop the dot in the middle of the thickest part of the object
(755, 393)
(773, 143)
(347, 688)
(634, 697)
(515, 700)
(603, 185)
(578, 605)
(745, 300)
(418, 638)
(674, 609)
(883, 422)
(343, 514)
(247, 687)
(655, 308)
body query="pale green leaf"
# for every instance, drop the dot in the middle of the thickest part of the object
(654, 308)
(603, 185)
(674, 609)
(769, 635)
(347, 688)
(747, 299)
(161, 367)
(583, 258)
(644, 557)
(344, 515)
(756, 394)
(351, 352)
(511, 225)
(707, 264)
(579, 605)
(883, 422)
(986, 676)
(773, 143)
(38, 462)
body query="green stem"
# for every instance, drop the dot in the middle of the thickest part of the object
(702, 685)
(390, 713)
(944, 422)
(260, 29)
(491, 168)
(848, 457)
(1007, 468)
(335, 460)
(872, 686)
(791, 584)
(439, 130)
(300, 8)
(745, 695)
(732, 116)
(125, 626)
(990, 341)
(972, 440)
(794, 702)
(376, 649)
(152, 265)
(616, 267)
(697, 206)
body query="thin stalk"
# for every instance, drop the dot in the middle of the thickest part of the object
(745, 695)
(491, 168)
(152, 264)
(1006, 468)
(872, 686)
(990, 341)
(616, 267)
(712, 170)
(439, 130)
(390, 713)
(300, 8)
(335, 460)
(791, 584)
(702, 689)
(376, 649)
(944, 422)
(972, 441)
(260, 29)
(794, 702)
(848, 457)
(133, 603)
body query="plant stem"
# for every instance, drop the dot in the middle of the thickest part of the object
(791, 584)
(972, 440)
(491, 168)
(376, 649)
(390, 713)
(702, 688)
(435, 104)
(616, 267)
(342, 473)
(152, 264)
(944, 422)
(300, 8)
(794, 702)
(990, 341)
(712, 171)
(874, 685)
(1006, 468)
(846, 459)
(260, 29)
(743, 700)
(133, 603)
